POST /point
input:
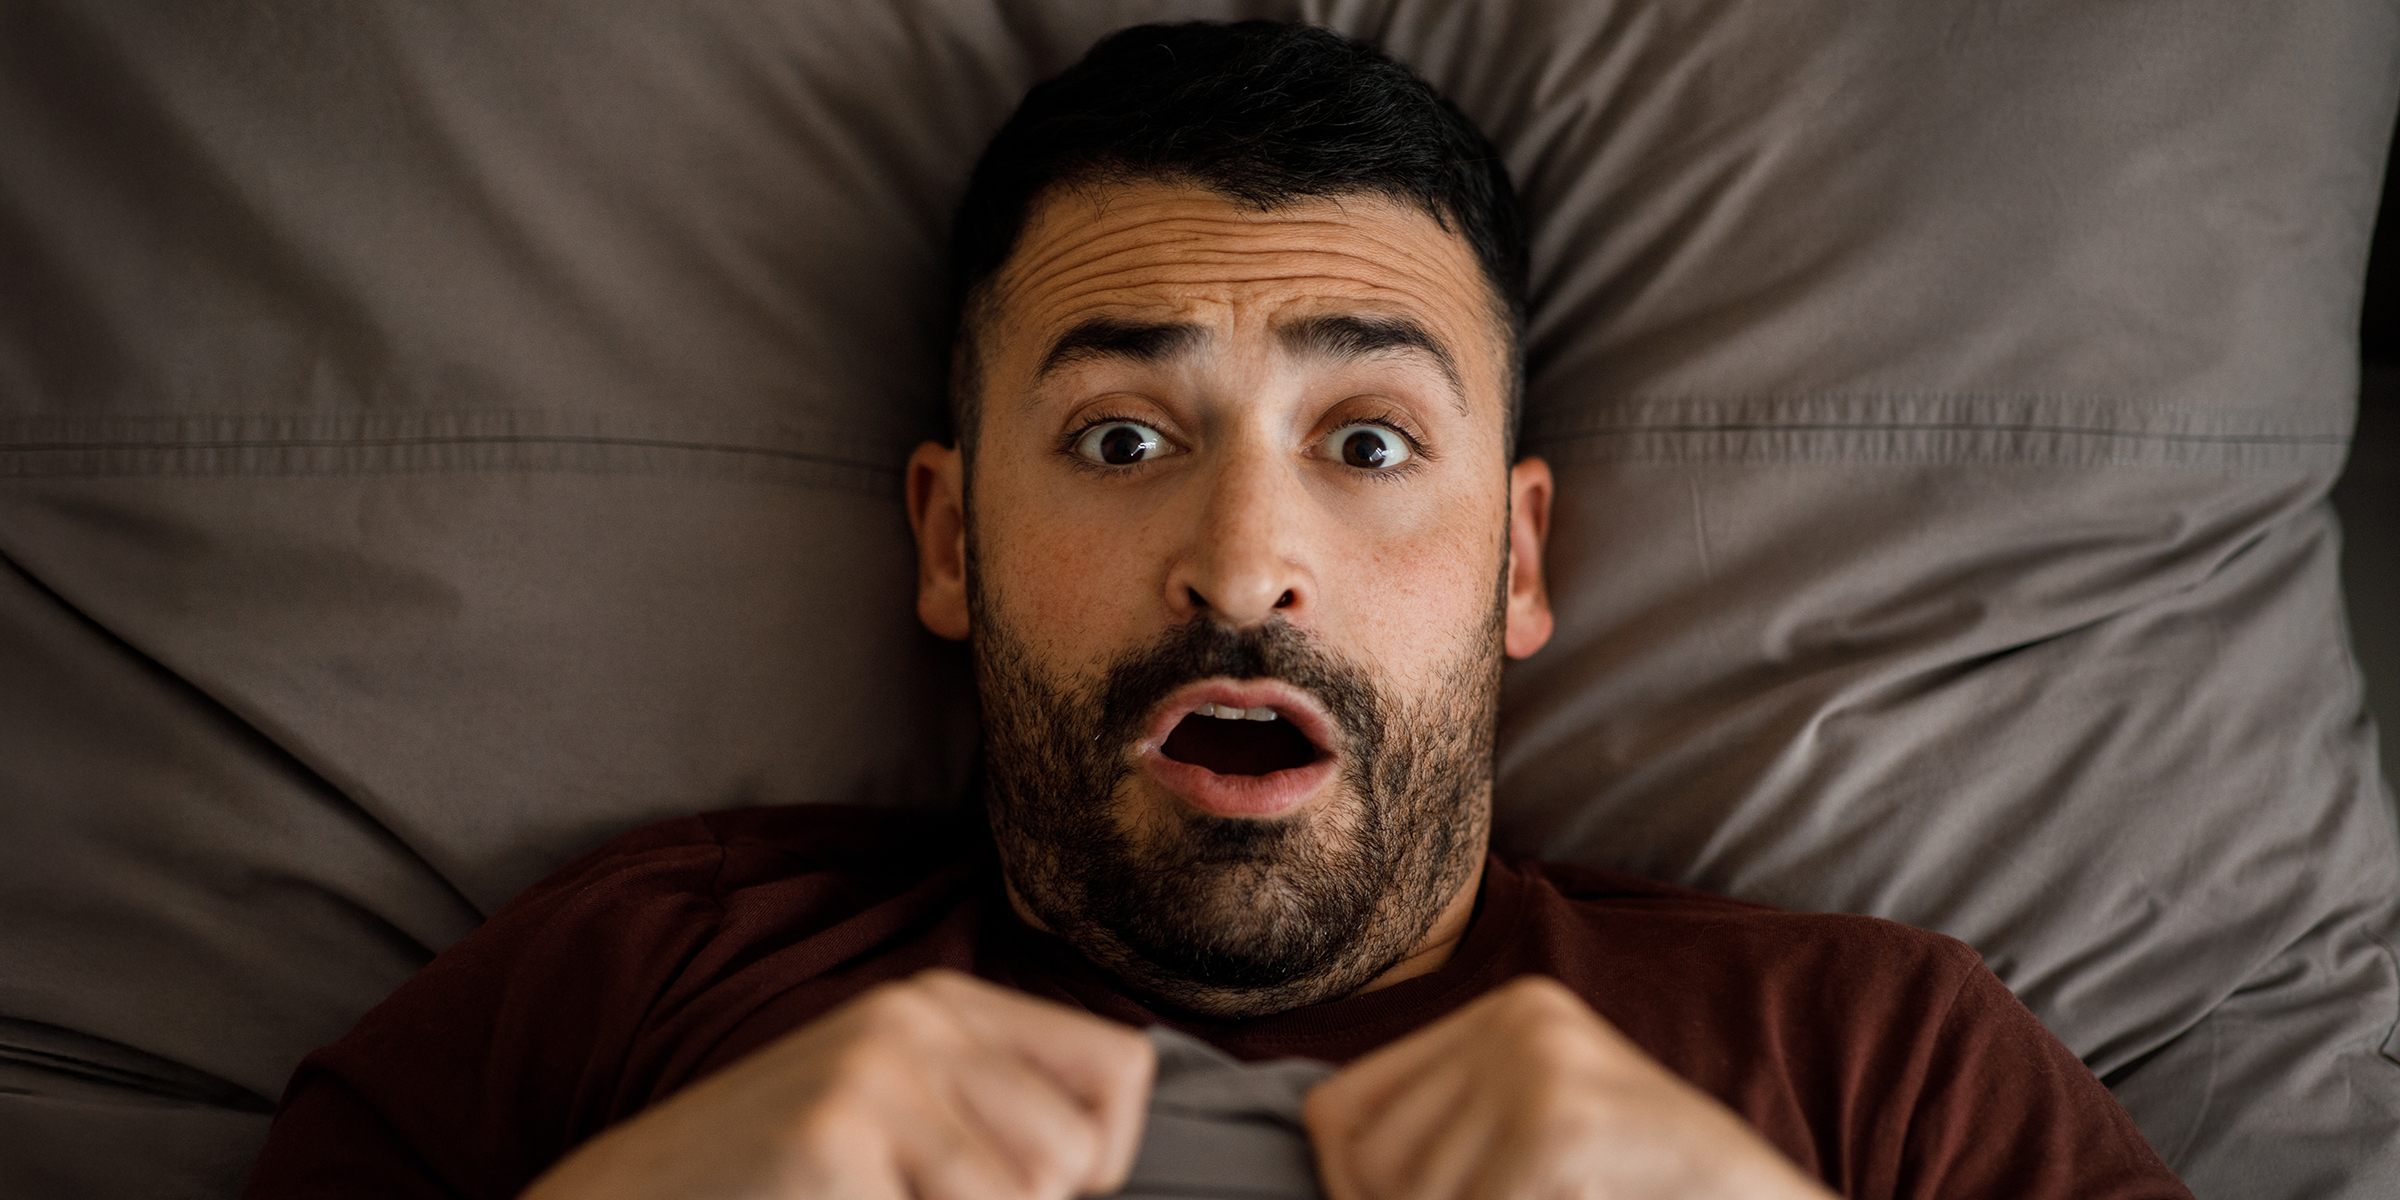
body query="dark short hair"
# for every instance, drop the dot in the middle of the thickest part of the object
(1263, 112)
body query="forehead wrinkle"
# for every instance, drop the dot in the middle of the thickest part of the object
(1224, 266)
(1132, 288)
(1199, 271)
(1080, 248)
(1074, 247)
(1080, 245)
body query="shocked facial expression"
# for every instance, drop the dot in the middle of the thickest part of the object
(1239, 550)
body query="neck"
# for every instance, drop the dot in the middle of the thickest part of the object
(1434, 950)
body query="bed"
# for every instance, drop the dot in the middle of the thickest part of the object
(435, 437)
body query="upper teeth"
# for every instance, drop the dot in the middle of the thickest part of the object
(1227, 712)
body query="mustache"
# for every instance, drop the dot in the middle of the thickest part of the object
(1202, 648)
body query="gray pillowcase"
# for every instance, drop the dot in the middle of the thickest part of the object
(433, 439)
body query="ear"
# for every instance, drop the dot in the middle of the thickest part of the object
(1529, 620)
(937, 514)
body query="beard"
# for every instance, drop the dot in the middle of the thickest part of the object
(1231, 917)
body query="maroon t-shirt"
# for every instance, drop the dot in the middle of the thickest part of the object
(1883, 1059)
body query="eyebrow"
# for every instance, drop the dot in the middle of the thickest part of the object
(1348, 336)
(1338, 336)
(1105, 337)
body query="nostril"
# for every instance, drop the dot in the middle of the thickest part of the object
(1198, 601)
(1285, 600)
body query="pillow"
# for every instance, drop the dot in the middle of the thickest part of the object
(1944, 426)
(434, 438)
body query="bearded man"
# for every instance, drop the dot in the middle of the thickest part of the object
(1236, 529)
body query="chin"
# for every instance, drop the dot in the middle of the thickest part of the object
(1238, 917)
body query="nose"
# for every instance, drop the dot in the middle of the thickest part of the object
(1242, 563)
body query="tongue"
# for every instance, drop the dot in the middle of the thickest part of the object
(1238, 747)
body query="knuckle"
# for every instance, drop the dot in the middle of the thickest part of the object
(1535, 995)
(902, 1011)
(863, 1066)
(944, 982)
(896, 1038)
(1059, 1163)
(1056, 1145)
(1557, 1100)
(949, 1169)
(1542, 1019)
(1133, 1063)
(1131, 1046)
(1558, 1042)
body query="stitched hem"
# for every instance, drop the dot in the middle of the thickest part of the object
(411, 443)
(1885, 427)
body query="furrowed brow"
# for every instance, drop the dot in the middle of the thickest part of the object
(1348, 336)
(1104, 337)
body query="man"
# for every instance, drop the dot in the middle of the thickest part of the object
(1235, 528)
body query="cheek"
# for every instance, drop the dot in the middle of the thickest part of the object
(1410, 596)
(1071, 577)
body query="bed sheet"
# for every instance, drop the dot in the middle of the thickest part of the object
(434, 437)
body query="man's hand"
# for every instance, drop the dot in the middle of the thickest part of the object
(942, 1088)
(1528, 1093)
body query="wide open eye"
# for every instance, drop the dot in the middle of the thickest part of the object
(1368, 447)
(1120, 444)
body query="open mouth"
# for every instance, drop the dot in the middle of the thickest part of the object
(1235, 741)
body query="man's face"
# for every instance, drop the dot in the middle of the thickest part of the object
(1237, 567)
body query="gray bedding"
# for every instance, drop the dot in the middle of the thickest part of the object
(436, 436)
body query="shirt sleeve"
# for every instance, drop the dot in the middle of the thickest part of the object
(509, 1048)
(2006, 1111)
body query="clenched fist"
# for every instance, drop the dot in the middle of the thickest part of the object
(939, 1088)
(1529, 1093)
